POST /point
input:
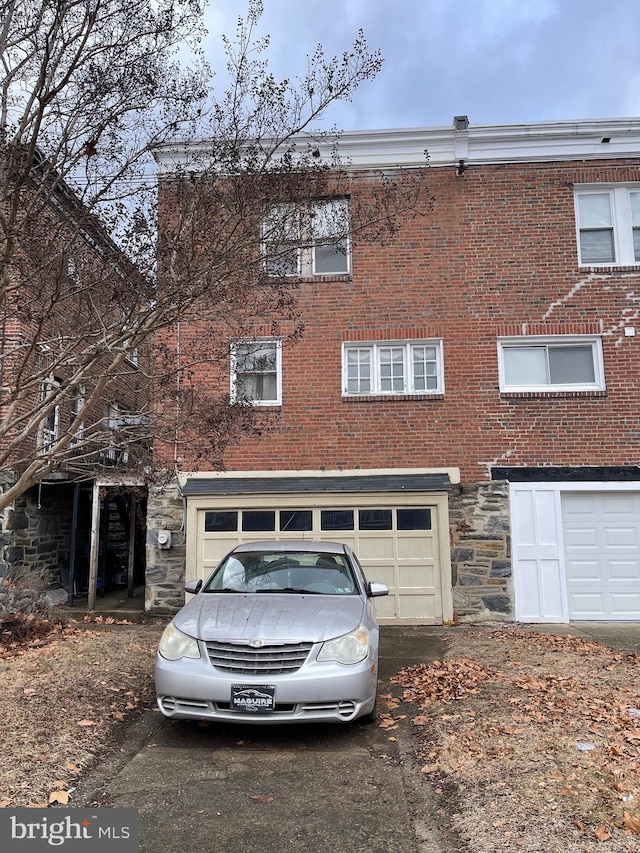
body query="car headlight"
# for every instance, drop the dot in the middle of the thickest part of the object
(350, 648)
(175, 644)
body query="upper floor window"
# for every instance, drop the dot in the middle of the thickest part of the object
(608, 220)
(399, 367)
(256, 371)
(307, 241)
(561, 363)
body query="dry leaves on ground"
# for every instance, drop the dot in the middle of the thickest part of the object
(540, 736)
(65, 692)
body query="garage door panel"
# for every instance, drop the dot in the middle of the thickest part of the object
(587, 605)
(385, 609)
(382, 574)
(418, 606)
(621, 537)
(215, 549)
(374, 548)
(624, 570)
(415, 547)
(579, 507)
(336, 536)
(580, 537)
(619, 506)
(417, 576)
(584, 570)
(626, 605)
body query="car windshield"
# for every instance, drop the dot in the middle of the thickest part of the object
(284, 571)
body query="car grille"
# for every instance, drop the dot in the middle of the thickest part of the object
(268, 660)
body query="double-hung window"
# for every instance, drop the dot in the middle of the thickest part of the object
(559, 363)
(312, 240)
(608, 222)
(256, 371)
(398, 367)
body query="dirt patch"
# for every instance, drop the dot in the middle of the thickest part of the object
(540, 735)
(66, 693)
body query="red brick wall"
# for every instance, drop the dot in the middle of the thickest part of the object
(497, 251)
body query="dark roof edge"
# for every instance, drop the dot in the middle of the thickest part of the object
(200, 486)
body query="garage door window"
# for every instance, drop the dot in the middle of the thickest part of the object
(220, 522)
(301, 520)
(296, 519)
(337, 519)
(414, 519)
(375, 519)
(259, 520)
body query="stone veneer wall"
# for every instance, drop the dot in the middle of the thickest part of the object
(37, 538)
(165, 567)
(481, 552)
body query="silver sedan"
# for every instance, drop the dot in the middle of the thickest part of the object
(281, 632)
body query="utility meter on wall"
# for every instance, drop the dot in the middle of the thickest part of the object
(164, 539)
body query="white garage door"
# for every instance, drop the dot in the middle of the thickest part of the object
(601, 534)
(400, 544)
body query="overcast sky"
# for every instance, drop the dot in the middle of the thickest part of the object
(497, 61)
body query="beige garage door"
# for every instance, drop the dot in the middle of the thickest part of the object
(399, 540)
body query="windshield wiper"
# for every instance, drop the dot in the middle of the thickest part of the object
(301, 590)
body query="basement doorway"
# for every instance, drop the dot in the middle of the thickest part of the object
(107, 559)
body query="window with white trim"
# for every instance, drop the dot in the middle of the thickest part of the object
(256, 371)
(313, 241)
(396, 367)
(559, 363)
(608, 224)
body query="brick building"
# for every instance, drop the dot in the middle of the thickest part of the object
(71, 391)
(463, 406)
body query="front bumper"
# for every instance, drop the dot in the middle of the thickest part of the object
(317, 692)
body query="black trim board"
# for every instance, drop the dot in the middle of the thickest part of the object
(557, 474)
(201, 486)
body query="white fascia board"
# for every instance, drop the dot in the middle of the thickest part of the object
(480, 145)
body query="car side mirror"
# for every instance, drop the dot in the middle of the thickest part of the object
(193, 586)
(376, 589)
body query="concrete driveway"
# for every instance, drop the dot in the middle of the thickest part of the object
(315, 788)
(225, 788)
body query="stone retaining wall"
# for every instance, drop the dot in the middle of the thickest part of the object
(481, 552)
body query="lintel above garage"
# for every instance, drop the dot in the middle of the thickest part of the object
(355, 482)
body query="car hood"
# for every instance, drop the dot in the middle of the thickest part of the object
(270, 616)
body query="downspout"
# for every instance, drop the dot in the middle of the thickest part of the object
(178, 392)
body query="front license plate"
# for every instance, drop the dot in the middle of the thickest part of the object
(255, 698)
